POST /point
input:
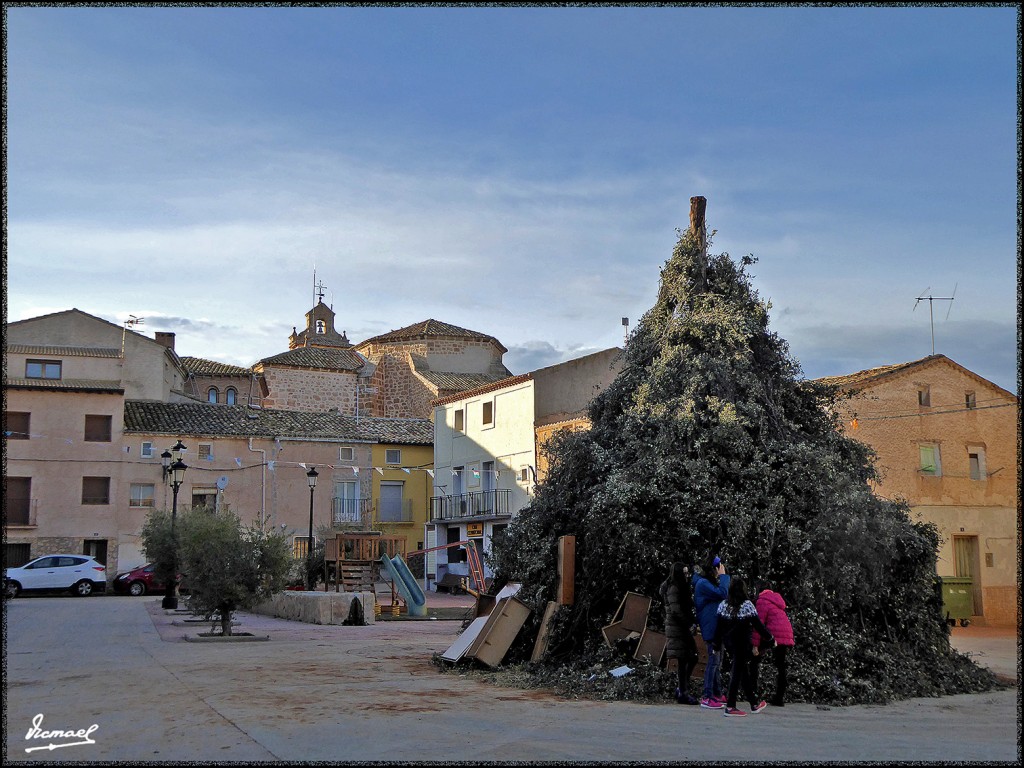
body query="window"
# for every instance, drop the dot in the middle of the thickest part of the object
(976, 460)
(230, 396)
(204, 497)
(95, 490)
(147, 450)
(18, 500)
(346, 453)
(488, 415)
(206, 451)
(460, 420)
(321, 327)
(17, 555)
(42, 369)
(141, 495)
(346, 505)
(211, 395)
(524, 475)
(97, 429)
(930, 460)
(16, 425)
(391, 502)
(392, 456)
(300, 546)
(970, 401)
(924, 396)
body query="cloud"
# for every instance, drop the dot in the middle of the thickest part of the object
(530, 356)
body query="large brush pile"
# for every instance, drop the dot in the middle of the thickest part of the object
(710, 441)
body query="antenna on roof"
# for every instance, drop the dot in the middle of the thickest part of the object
(930, 299)
(625, 330)
(132, 321)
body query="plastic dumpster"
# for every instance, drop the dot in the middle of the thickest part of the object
(958, 599)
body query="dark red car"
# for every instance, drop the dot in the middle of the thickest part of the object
(140, 581)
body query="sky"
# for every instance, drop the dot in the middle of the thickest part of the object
(518, 171)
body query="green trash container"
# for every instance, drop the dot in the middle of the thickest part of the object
(958, 599)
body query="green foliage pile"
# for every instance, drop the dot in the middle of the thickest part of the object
(227, 565)
(710, 442)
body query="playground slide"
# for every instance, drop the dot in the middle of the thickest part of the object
(406, 584)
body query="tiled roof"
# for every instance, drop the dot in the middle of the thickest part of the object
(67, 385)
(197, 366)
(506, 382)
(459, 382)
(207, 419)
(873, 375)
(330, 358)
(430, 329)
(35, 349)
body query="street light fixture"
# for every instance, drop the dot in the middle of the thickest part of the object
(177, 474)
(311, 477)
(165, 459)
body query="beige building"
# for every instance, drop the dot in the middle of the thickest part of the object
(946, 441)
(91, 406)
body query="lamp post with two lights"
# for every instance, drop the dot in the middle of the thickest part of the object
(176, 471)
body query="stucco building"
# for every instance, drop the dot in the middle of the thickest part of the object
(946, 441)
(488, 444)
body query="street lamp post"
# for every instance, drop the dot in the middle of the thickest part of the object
(311, 477)
(176, 471)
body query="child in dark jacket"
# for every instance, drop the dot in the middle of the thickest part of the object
(680, 619)
(771, 609)
(737, 616)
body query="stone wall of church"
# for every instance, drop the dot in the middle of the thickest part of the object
(295, 389)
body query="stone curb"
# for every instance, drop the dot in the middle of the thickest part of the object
(223, 639)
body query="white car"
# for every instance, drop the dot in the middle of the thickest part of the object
(80, 574)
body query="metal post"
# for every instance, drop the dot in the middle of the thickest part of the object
(309, 545)
(170, 601)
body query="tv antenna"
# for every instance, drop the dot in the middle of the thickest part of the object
(931, 299)
(132, 321)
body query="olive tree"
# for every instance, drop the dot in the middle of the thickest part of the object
(227, 565)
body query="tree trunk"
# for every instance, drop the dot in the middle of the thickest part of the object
(225, 620)
(698, 207)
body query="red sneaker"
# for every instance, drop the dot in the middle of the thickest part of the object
(758, 707)
(733, 712)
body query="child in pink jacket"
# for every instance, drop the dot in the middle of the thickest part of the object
(771, 609)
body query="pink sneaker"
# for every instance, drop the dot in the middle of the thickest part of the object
(733, 712)
(758, 707)
(711, 704)
(720, 699)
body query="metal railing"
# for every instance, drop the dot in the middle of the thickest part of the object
(475, 504)
(350, 510)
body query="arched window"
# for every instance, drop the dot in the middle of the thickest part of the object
(212, 395)
(321, 326)
(230, 396)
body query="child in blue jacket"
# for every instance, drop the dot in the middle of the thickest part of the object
(709, 590)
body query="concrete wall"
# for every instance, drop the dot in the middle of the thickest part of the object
(567, 388)
(317, 607)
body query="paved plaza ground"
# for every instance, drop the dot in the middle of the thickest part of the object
(358, 694)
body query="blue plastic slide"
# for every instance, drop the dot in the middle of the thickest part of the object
(406, 583)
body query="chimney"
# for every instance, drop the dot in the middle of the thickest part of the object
(166, 338)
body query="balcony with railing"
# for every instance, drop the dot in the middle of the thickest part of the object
(477, 504)
(350, 511)
(20, 512)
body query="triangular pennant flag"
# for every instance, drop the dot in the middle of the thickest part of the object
(379, 470)
(238, 461)
(406, 470)
(430, 472)
(302, 464)
(355, 470)
(270, 465)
